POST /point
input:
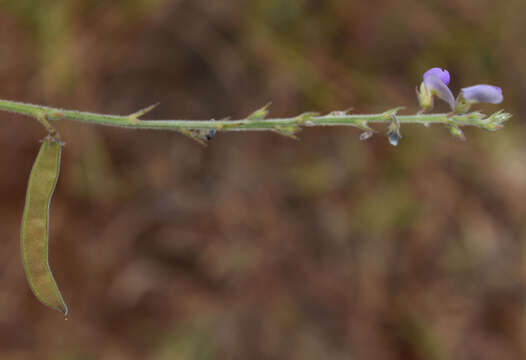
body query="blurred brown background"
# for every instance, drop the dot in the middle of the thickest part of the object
(259, 247)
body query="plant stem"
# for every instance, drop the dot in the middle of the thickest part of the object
(286, 126)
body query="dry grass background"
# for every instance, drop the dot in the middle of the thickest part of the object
(259, 247)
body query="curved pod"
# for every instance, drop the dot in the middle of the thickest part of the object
(35, 225)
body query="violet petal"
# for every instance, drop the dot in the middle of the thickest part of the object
(437, 87)
(483, 93)
(438, 72)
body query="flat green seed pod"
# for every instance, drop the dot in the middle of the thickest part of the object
(35, 225)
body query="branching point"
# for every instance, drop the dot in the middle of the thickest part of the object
(136, 115)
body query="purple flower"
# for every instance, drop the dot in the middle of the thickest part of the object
(435, 83)
(482, 93)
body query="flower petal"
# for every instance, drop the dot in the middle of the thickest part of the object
(482, 93)
(440, 89)
(438, 72)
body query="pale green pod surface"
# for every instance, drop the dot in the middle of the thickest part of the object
(35, 225)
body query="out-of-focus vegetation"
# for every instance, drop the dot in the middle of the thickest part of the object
(259, 247)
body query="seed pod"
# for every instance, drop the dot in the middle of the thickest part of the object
(35, 225)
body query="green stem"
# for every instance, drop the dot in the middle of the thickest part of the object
(285, 126)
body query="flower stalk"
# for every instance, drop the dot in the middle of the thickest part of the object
(200, 130)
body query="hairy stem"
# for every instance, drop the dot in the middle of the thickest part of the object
(256, 121)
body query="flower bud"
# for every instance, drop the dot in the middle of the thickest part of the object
(457, 132)
(393, 131)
